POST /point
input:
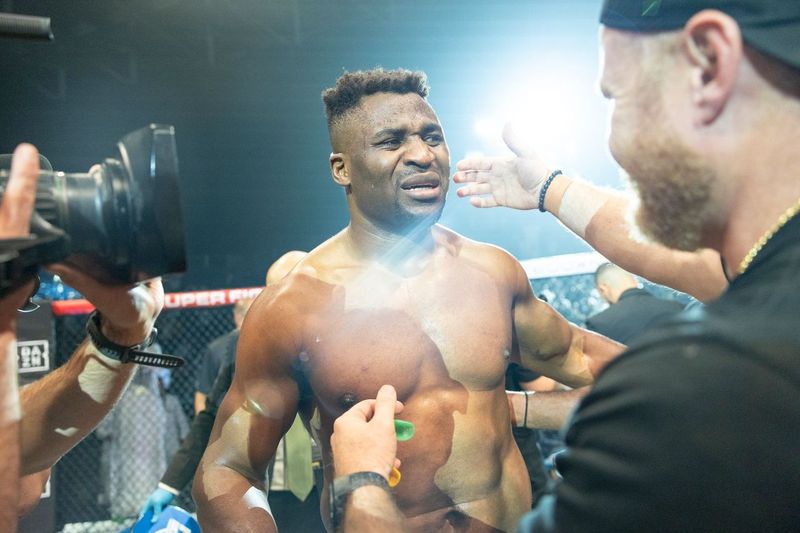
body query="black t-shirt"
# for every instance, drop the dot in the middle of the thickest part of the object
(695, 427)
(218, 353)
(635, 313)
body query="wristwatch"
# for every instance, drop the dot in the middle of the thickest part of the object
(344, 485)
(129, 354)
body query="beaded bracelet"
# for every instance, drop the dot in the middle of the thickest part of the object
(546, 186)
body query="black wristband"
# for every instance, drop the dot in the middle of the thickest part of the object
(342, 486)
(129, 354)
(546, 186)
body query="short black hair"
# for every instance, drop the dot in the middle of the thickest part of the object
(352, 86)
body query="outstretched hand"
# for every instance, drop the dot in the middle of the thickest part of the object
(503, 181)
(364, 437)
(15, 219)
(128, 311)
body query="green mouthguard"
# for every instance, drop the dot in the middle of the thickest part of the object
(404, 429)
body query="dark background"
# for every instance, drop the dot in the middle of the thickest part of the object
(241, 79)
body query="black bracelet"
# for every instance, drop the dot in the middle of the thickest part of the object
(525, 419)
(546, 186)
(344, 485)
(129, 354)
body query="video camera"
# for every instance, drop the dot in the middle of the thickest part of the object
(121, 222)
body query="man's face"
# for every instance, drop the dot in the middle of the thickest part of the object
(673, 183)
(398, 161)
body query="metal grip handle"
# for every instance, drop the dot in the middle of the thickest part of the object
(25, 27)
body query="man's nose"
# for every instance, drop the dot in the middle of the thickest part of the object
(419, 153)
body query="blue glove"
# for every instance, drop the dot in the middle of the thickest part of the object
(157, 501)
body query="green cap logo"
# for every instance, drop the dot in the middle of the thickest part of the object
(650, 7)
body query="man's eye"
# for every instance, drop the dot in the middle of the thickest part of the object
(433, 139)
(390, 142)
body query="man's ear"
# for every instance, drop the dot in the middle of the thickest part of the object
(339, 169)
(602, 289)
(713, 48)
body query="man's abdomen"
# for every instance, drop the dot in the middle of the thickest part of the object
(465, 469)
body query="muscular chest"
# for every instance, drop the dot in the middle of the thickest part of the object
(433, 332)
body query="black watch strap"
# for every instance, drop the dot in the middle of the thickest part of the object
(129, 354)
(344, 485)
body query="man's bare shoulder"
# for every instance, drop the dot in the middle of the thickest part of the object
(490, 257)
(310, 282)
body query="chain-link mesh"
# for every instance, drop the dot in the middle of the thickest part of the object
(106, 479)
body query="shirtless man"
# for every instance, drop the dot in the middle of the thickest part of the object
(393, 298)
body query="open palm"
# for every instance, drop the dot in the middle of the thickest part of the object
(503, 181)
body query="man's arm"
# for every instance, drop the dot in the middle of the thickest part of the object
(258, 409)
(199, 402)
(550, 345)
(64, 406)
(31, 488)
(15, 212)
(597, 215)
(543, 410)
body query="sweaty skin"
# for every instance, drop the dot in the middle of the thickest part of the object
(434, 314)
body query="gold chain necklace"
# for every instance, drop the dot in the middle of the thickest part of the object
(787, 215)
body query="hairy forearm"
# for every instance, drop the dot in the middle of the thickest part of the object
(543, 410)
(31, 488)
(63, 407)
(371, 508)
(9, 433)
(227, 501)
(601, 217)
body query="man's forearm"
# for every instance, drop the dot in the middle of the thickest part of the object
(9, 433)
(30, 491)
(544, 410)
(601, 217)
(599, 350)
(227, 501)
(371, 508)
(63, 407)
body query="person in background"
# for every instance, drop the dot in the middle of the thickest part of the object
(219, 352)
(632, 310)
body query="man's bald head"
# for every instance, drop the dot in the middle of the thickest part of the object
(342, 100)
(612, 281)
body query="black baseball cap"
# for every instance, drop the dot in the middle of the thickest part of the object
(770, 26)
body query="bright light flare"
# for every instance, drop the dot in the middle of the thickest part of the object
(546, 115)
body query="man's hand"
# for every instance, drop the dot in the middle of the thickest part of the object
(497, 181)
(15, 219)
(363, 438)
(128, 311)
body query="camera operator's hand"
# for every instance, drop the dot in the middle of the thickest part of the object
(15, 219)
(15, 213)
(128, 311)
